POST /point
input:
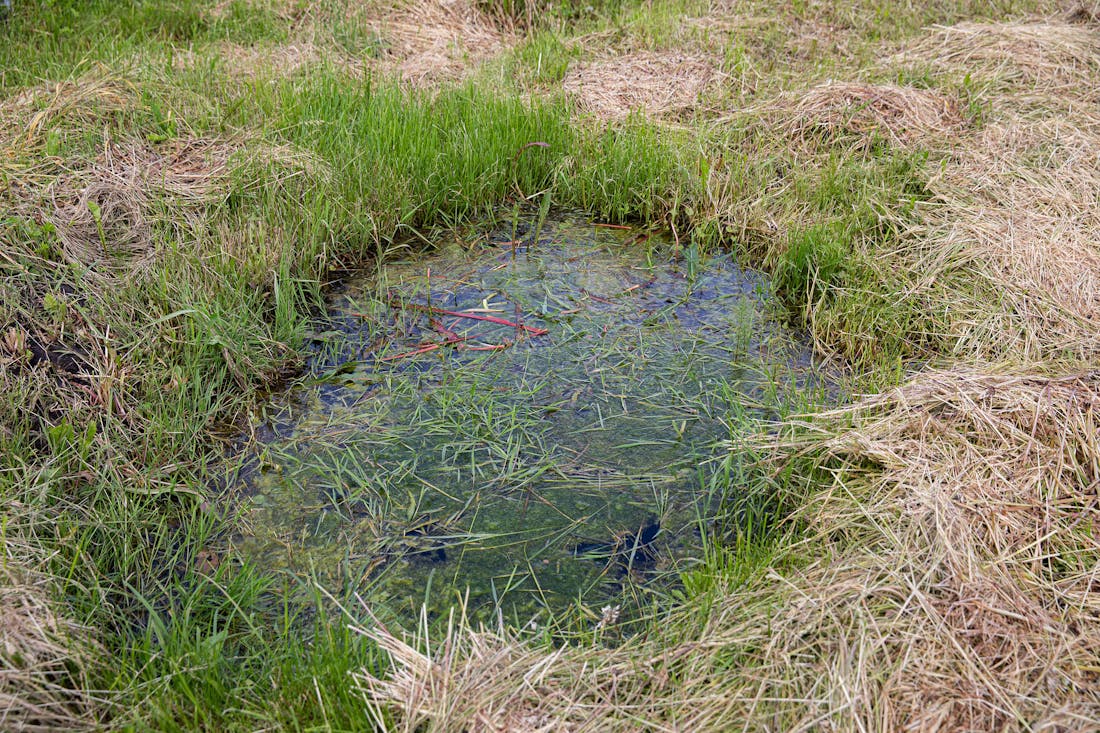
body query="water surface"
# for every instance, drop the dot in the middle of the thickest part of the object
(528, 415)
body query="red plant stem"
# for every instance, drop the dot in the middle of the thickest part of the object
(613, 226)
(415, 352)
(459, 342)
(596, 297)
(438, 326)
(473, 316)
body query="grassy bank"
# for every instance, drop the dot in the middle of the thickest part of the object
(180, 178)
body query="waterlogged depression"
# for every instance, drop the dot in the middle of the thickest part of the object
(531, 415)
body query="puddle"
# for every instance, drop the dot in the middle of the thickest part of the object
(529, 415)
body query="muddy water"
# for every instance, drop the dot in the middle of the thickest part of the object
(529, 414)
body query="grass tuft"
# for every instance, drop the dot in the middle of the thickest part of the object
(864, 113)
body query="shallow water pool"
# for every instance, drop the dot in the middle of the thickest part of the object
(527, 417)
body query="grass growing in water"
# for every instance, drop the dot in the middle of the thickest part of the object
(506, 420)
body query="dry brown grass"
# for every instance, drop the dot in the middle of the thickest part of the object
(1086, 12)
(1017, 206)
(976, 536)
(102, 211)
(43, 656)
(1048, 56)
(423, 42)
(265, 60)
(1015, 203)
(118, 218)
(26, 117)
(83, 101)
(788, 40)
(903, 115)
(428, 41)
(657, 84)
(955, 590)
(1006, 250)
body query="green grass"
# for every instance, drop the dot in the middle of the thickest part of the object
(53, 39)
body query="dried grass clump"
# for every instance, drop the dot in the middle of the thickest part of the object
(448, 688)
(429, 41)
(104, 212)
(1018, 208)
(955, 590)
(27, 117)
(43, 660)
(1086, 13)
(267, 61)
(1055, 58)
(903, 115)
(975, 536)
(662, 84)
(76, 103)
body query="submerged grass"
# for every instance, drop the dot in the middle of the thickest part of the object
(424, 433)
(167, 228)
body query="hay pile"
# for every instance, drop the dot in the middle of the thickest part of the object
(1015, 204)
(428, 41)
(1006, 249)
(102, 212)
(1048, 57)
(1019, 209)
(43, 659)
(968, 600)
(655, 84)
(99, 225)
(903, 115)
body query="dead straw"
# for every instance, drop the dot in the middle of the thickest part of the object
(903, 115)
(44, 657)
(435, 40)
(103, 212)
(658, 84)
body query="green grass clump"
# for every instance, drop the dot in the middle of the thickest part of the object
(831, 270)
(404, 159)
(46, 39)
